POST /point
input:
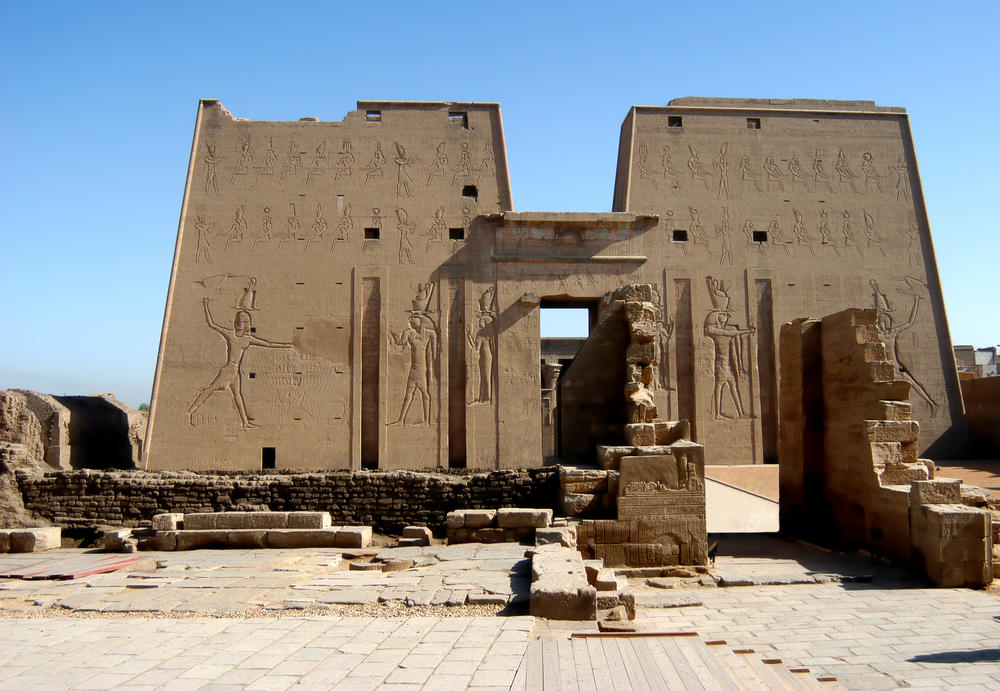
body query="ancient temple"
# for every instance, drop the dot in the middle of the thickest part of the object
(362, 294)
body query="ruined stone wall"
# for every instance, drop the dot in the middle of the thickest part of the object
(386, 501)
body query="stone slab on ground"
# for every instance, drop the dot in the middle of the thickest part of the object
(559, 586)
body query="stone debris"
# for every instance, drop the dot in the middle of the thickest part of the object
(30, 539)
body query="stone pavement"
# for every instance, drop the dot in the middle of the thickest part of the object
(869, 625)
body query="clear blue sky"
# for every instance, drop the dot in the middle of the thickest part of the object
(98, 104)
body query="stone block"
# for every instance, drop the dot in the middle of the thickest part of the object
(642, 331)
(250, 520)
(524, 518)
(636, 311)
(892, 430)
(615, 621)
(419, 533)
(560, 536)
(593, 568)
(313, 520)
(621, 598)
(479, 518)
(636, 292)
(670, 431)
(411, 542)
(168, 521)
(398, 565)
(577, 504)
(201, 539)
(115, 540)
(199, 521)
(35, 539)
(610, 456)
(248, 539)
(354, 536)
(605, 580)
(936, 492)
(492, 535)
(559, 587)
(455, 520)
(4, 541)
(640, 354)
(613, 476)
(163, 541)
(640, 434)
(583, 480)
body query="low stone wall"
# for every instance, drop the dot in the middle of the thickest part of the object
(386, 501)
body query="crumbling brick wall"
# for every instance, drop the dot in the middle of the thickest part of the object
(387, 501)
(849, 466)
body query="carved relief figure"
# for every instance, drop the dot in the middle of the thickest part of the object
(826, 234)
(728, 359)
(405, 228)
(293, 159)
(778, 237)
(244, 161)
(264, 234)
(436, 232)
(873, 235)
(850, 234)
(820, 176)
(889, 335)
(698, 171)
(801, 234)
(402, 178)
(748, 174)
(318, 163)
(419, 341)
(376, 166)
(845, 172)
(230, 376)
(319, 227)
(748, 231)
(266, 166)
(664, 331)
(377, 225)
(236, 231)
(798, 173)
(488, 168)
(211, 163)
(344, 227)
(204, 230)
(439, 164)
(871, 174)
(645, 170)
(290, 231)
(722, 168)
(668, 167)
(913, 248)
(483, 342)
(697, 232)
(899, 170)
(724, 231)
(773, 174)
(464, 163)
(248, 298)
(344, 163)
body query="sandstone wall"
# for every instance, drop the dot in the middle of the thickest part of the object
(386, 501)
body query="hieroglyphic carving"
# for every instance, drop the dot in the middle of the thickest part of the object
(802, 235)
(438, 165)
(436, 233)
(661, 342)
(748, 231)
(292, 162)
(798, 173)
(645, 170)
(291, 229)
(728, 343)
(236, 231)
(344, 228)
(827, 238)
(697, 232)
(318, 164)
(820, 176)
(846, 174)
(376, 166)
(773, 174)
(204, 230)
(913, 246)
(698, 171)
(722, 168)
(483, 340)
(230, 376)
(248, 298)
(778, 237)
(872, 232)
(266, 166)
(725, 231)
(850, 234)
(871, 173)
(464, 163)
(889, 334)
(488, 167)
(243, 161)
(264, 234)
(377, 219)
(317, 229)
(420, 341)
(402, 178)
(748, 174)
(668, 168)
(211, 164)
(902, 179)
(344, 164)
(406, 229)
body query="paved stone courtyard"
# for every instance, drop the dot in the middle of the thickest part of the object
(277, 620)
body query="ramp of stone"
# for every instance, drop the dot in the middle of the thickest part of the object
(66, 569)
(650, 662)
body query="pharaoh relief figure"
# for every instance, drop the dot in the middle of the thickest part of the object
(727, 340)
(420, 342)
(482, 340)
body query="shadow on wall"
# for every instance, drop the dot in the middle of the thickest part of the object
(98, 434)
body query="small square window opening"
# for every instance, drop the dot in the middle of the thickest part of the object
(373, 116)
(753, 123)
(470, 191)
(760, 236)
(456, 233)
(371, 233)
(680, 236)
(675, 121)
(459, 118)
